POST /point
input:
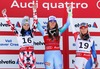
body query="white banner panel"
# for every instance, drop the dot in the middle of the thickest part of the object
(10, 43)
(72, 60)
(10, 61)
(93, 24)
(72, 45)
(42, 21)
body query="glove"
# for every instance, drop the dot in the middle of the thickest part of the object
(4, 12)
(96, 64)
(69, 10)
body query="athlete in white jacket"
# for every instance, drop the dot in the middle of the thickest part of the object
(85, 46)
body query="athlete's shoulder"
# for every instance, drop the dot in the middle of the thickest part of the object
(91, 39)
(78, 36)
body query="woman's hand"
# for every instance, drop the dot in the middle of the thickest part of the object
(34, 7)
(4, 12)
(69, 9)
(96, 64)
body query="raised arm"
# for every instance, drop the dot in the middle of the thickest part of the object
(7, 19)
(69, 20)
(69, 10)
(66, 25)
(9, 22)
(35, 20)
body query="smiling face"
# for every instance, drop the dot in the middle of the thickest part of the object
(26, 26)
(52, 24)
(83, 30)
